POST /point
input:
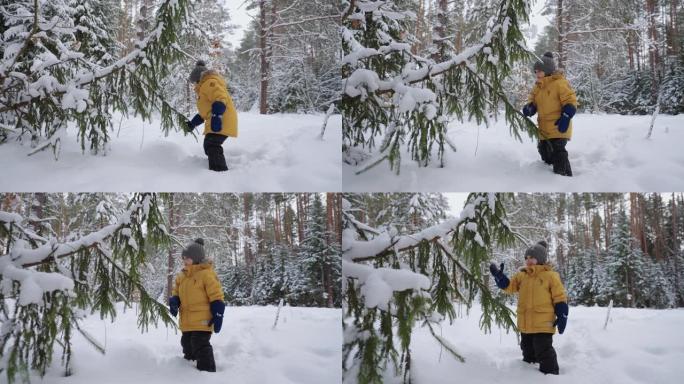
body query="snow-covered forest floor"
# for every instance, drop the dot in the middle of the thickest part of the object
(279, 152)
(607, 153)
(305, 347)
(638, 346)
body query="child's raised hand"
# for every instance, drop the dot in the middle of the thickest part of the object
(499, 277)
(496, 271)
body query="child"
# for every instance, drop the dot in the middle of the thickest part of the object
(540, 294)
(216, 111)
(556, 103)
(199, 296)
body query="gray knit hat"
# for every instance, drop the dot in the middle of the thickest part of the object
(196, 74)
(547, 65)
(195, 251)
(538, 251)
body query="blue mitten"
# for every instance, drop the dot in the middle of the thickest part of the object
(567, 113)
(529, 109)
(561, 316)
(217, 110)
(499, 277)
(217, 307)
(174, 304)
(191, 124)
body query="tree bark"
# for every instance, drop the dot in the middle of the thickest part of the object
(329, 205)
(171, 257)
(246, 200)
(561, 33)
(263, 44)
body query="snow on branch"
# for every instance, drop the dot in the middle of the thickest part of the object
(354, 249)
(379, 284)
(14, 266)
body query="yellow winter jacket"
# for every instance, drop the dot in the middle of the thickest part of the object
(550, 94)
(211, 88)
(197, 286)
(539, 289)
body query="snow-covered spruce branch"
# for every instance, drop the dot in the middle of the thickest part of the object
(442, 341)
(354, 250)
(400, 287)
(98, 270)
(25, 257)
(349, 11)
(86, 78)
(60, 80)
(415, 97)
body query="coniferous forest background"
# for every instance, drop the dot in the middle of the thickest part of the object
(625, 247)
(265, 247)
(415, 260)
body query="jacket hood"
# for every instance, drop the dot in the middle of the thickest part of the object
(533, 270)
(210, 73)
(189, 270)
(549, 79)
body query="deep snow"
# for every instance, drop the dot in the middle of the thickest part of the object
(607, 153)
(304, 348)
(638, 346)
(280, 152)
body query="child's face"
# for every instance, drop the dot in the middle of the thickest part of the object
(187, 261)
(530, 261)
(539, 74)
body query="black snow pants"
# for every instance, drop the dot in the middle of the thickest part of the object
(553, 152)
(196, 347)
(214, 150)
(538, 348)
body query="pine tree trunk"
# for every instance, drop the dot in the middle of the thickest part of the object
(675, 27)
(246, 198)
(171, 259)
(329, 205)
(338, 220)
(630, 50)
(276, 222)
(560, 213)
(653, 55)
(561, 34)
(418, 31)
(263, 43)
(301, 217)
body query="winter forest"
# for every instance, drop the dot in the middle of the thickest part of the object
(414, 268)
(70, 58)
(68, 256)
(91, 75)
(429, 83)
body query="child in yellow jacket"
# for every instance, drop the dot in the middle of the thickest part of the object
(555, 100)
(541, 293)
(199, 296)
(216, 111)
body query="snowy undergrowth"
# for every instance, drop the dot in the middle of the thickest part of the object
(639, 346)
(272, 153)
(305, 347)
(607, 153)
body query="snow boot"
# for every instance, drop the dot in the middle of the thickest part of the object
(527, 348)
(203, 351)
(561, 163)
(544, 353)
(214, 151)
(545, 149)
(187, 347)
